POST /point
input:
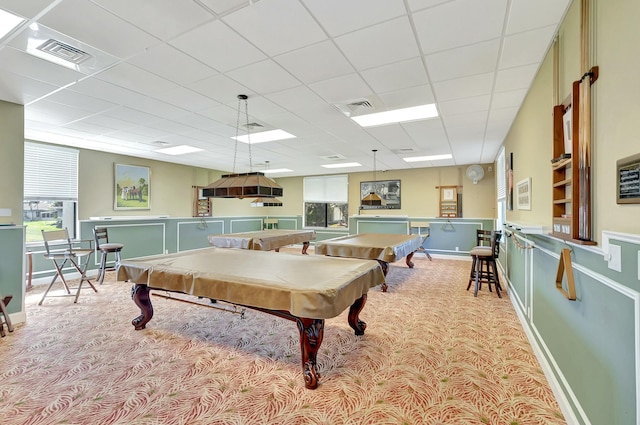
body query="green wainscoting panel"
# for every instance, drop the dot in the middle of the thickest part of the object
(517, 270)
(238, 225)
(323, 235)
(381, 226)
(11, 260)
(456, 236)
(287, 223)
(194, 235)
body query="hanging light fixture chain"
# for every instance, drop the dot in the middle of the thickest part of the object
(246, 113)
(374, 164)
(235, 149)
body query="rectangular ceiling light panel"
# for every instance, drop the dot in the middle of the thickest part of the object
(264, 136)
(8, 22)
(395, 116)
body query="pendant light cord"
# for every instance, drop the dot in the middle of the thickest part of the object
(242, 97)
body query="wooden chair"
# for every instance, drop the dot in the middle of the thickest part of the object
(61, 250)
(101, 236)
(4, 316)
(483, 266)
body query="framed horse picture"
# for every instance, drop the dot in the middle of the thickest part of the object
(132, 187)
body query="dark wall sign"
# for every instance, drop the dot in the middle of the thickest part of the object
(628, 180)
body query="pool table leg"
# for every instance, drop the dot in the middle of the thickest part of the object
(385, 270)
(354, 311)
(408, 260)
(305, 246)
(311, 334)
(140, 295)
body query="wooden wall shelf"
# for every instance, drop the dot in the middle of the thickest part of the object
(201, 205)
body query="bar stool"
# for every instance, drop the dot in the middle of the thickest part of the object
(102, 243)
(483, 266)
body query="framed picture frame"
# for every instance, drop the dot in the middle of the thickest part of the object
(628, 180)
(523, 194)
(132, 187)
(387, 190)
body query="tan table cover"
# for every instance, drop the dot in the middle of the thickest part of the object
(306, 286)
(264, 240)
(372, 246)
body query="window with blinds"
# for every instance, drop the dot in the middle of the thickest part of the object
(50, 189)
(326, 201)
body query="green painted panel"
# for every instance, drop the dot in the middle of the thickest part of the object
(516, 270)
(374, 226)
(324, 235)
(245, 225)
(592, 340)
(11, 278)
(288, 223)
(194, 235)
(448, 235)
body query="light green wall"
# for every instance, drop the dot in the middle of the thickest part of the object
(11, 160)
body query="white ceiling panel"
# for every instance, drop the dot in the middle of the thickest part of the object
(317, 62)
(162, 70)
(380, 44)
(257, 22)
(338, 17)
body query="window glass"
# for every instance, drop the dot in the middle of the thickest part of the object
(325, 201)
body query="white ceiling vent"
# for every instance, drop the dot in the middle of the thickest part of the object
(401, 151)
(355, 107)
(335, 157)
(64, 51)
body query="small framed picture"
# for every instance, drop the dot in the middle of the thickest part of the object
(523, 194)
(449, 194)
(132, 187)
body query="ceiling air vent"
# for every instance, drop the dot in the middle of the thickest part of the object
(252, 125)
(335, 157)
(64, 51)
(355, 107)
(404, 150)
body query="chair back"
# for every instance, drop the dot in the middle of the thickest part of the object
(495, 242)
(484, 237)
(57, 241)
(101, 235)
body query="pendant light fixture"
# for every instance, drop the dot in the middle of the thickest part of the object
(372, 199)
(266, 202)
(243, 185)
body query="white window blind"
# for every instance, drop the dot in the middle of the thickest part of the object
(501, 175)
(50, 172)
(326, 188)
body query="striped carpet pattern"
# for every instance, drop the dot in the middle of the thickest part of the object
(431, 354)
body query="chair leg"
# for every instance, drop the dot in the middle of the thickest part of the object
(497, 279)
(103, 267)
(55, 277)
(82, 269)
(3, 310)
(472, 275)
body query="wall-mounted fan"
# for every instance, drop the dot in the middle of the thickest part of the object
(475, 173)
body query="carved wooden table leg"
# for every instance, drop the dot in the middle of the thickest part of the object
(305, 246)
(140, 295)
(408, 260)
(354, 311)
(385, 270)
(311, 333)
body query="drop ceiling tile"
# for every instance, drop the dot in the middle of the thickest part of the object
(396, 76)
(404, 98)
(186, 99)
(515, 78)
(458, 88)
(317, 62)
(136, 79)
(130, 115)
(27, 9)
(218, 46)
(380, 44)
(106, 91)
(98, 28)
(22, 90)
(508, 99)
(221, 89)
(29, 66)
(416, 5)
(526, 48)
(527, 15)
(55, 113)
(172, 64)
(224, 6)
(463, 61)
(455, 24)
(464, 105)
(341, 89)
(256, 23)
(264, 77)
(79, 100)
(164, 19)
(338, 17)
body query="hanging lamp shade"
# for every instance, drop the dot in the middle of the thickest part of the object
(243, 185)
(372, 199)
(266, 202)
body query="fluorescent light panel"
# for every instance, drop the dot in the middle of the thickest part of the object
(264, 136)
(8, 22)
(179, 150)
(277, 170)
(398, 115)
(343, 165)
(427, 158)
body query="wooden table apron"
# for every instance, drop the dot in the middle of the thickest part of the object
(264, 240)
(304, 289)
(385, 248)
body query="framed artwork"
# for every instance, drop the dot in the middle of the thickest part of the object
(628, 180)
(387, 190)
(132, 187)
(523, 194)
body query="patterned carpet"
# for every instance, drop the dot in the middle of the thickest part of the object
(432, 354)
